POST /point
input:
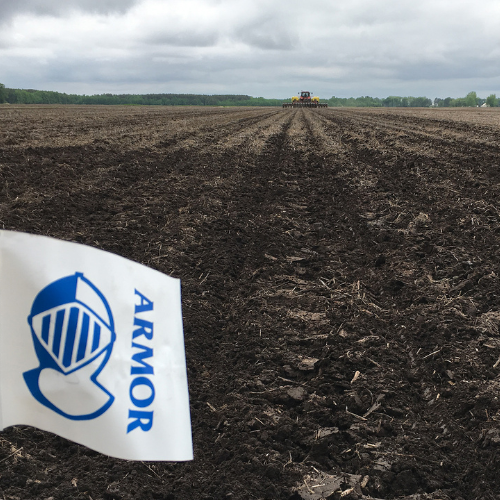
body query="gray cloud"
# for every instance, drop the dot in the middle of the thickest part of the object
(344, 48)
(181, 38)
(267, 34)
(11, 8)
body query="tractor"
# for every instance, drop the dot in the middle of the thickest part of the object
(305, 101)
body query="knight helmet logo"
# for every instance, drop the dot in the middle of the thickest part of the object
(73, 333)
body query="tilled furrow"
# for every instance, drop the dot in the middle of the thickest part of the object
(422, 129)
(340, 292)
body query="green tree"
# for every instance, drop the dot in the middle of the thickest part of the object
(492, 100)
(3, 93)
(420, 102)
(392, 101)
(471, 99)
(459, 102)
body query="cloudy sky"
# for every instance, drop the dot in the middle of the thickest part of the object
(435, 48)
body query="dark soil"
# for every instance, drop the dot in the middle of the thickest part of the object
(340, 274)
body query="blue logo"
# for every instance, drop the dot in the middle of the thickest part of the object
(73, 333)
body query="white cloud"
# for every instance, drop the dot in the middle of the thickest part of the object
(354, 47)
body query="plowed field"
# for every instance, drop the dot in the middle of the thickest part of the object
(341, 292)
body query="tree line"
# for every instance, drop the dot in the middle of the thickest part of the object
(470, 100)
(377, 102)
(31, 96)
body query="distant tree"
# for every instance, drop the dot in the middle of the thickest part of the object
(442, 103)
(3, 93)
(335, 102)
(406, 102)
(471, 99)
(459, 102)
(420, 102)
(492, 100)
(360, 102)
(392, 101)
(367, 101)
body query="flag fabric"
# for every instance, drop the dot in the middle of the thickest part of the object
(92, 349)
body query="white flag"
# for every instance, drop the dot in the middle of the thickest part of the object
(92, 349)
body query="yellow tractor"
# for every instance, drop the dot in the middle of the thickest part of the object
(305, 101)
